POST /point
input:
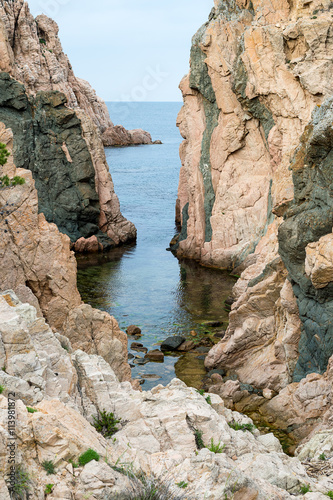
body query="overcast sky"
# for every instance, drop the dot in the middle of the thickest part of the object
(128, 49)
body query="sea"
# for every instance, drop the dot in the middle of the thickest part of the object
(144, 284)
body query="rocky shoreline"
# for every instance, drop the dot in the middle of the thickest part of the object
(72, 419)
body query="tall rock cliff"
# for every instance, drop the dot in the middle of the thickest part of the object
(257, 72)
(63, 148)
(255, 196)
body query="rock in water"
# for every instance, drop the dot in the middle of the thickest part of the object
(172, 343)
(133, 330)
(155, 355)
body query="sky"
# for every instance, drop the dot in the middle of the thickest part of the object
(128, 50)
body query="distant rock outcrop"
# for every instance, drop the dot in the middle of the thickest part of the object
(119, 136)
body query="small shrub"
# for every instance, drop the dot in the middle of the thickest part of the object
(5, 181)
(198, 439)
(182, 484)
(2, 389)
(322, 456)
(242, 427)
(152, 488)
(305, 488)
(4, 153)
(88, 456)
(31, 410)
(106, 424)
(21, 483)
(42, 41)
(208, 399)
(48, 466)
(201, 391)
(216, 448)
(329, 494)
(74, 464)
(48, 489)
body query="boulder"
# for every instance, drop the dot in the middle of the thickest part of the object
(133, 330)
(155, 355)
(172, 343)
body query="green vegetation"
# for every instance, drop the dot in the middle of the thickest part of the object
(2, 389)
(74, 464)
(48, 489)
(152, 488)
(322, 456)
(329, 494)
(106, 424)
(242, 427)
(198, 439)
(216, 448)
(305, 488)
(31, 410)
(182, 484)
(4, 153)
(48, 466)
(22, 483)
(5, 181)
(201, 391)
(208, 399)
(42, 41)
(88, 456)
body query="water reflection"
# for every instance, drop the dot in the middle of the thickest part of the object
(188, 300)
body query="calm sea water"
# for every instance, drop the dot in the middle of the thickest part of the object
(145, 284)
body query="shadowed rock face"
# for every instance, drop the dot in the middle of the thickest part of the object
(31, 53)
(48, 141)
(309, 218)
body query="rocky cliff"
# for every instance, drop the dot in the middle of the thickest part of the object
(255, 196)
(58, 393)
(37, 263)
(63, 136)
(257, 72)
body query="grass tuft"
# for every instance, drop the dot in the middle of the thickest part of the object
(48, 489)
(106, 424)
(31, 410)
(305, 488)
(152, 488)
(48, 466)
(198, 439)
(216, 448)
(242, 427)
(88, 456)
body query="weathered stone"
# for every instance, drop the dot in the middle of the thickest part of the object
(96, 332)
(172, 343)
(31, 53)
(133, 330)
(186, 346)
(155, 355)
(119, 136)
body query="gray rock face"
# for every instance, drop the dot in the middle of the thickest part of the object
(48, 141)
(310, 217)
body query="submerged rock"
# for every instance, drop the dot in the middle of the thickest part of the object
(155, 355)
(172, 343)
